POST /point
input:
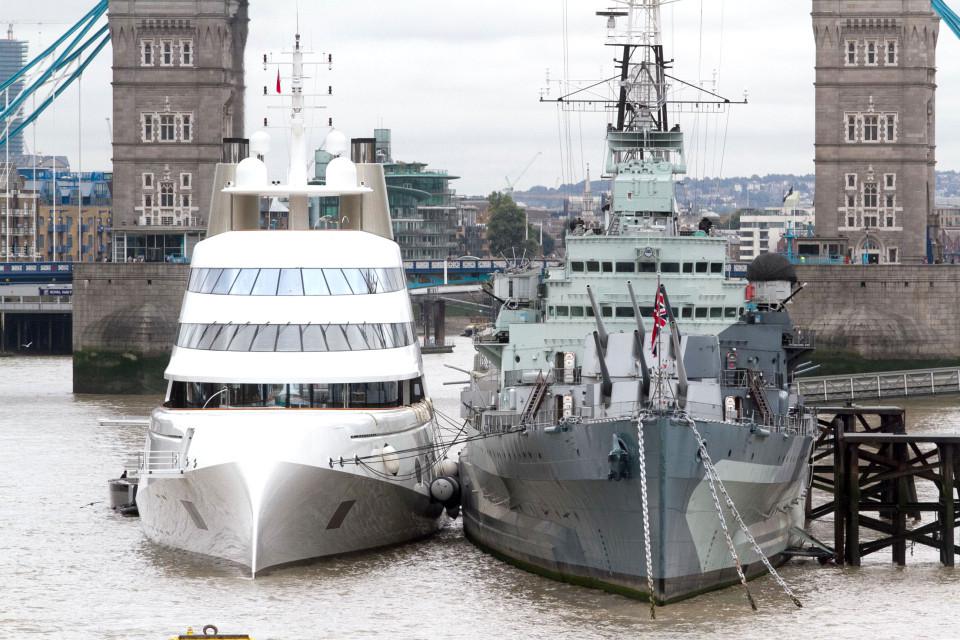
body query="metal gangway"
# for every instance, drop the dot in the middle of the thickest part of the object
(911, 383)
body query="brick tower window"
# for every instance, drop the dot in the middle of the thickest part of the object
(166, 195)
(871, 128)
(186, 53)
(146, 53)
(851, 53)
(851, 128)
(166, 53)
(891, 52)
(870, 196)
(871, 53)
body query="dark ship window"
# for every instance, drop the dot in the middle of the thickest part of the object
(702, 267)
(716, 312)
(648, 267)
(608, 267)
(688, 267)
(716, 267)
(577, 267)
(625, 312)
(701, 313)
(670, 267)
(730, 312)
(686, 312)
(576, 312)
(626, 267)
(593, 267)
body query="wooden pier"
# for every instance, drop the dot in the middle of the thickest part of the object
(871, 469)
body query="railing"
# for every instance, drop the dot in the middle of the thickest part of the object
(503, 421)
(560, 375)
(740, 379)
(160, 462)
(890, 384)
(801, 339)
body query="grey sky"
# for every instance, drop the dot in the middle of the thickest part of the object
(459, 82)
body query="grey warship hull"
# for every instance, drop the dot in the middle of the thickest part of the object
(544, 500)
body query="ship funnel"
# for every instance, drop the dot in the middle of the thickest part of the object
(371, 211)
(363, 150)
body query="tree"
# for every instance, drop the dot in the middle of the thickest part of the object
(505, 228)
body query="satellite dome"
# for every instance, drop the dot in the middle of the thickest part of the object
(341, 174)
(251, 174)
(771, 267)
(260, 143)
(336, 143)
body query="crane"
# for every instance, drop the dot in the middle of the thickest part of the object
(513, 183)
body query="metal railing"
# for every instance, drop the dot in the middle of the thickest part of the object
(740, 379)
(519, 377)
(161, 462)
(890, 384)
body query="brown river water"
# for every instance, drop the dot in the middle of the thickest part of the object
(71, 568)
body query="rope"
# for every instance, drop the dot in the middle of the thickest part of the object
(713, 477)
(641, 456)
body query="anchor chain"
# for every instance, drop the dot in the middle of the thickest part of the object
(711, 475)
(641, 458)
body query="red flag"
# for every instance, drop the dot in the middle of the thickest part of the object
(278, 80)
(659, 319)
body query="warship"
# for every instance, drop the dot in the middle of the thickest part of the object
(632, 424)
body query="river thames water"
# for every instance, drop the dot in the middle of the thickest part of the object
(70, 568)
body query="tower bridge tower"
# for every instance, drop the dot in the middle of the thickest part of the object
(177, 92)
(875, 128)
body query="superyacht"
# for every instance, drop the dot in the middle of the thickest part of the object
(632, 424)
(296, 381)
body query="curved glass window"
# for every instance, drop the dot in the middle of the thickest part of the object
(296, 282)
(295, 338)
(362, 395)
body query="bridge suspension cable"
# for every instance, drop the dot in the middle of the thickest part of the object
(78, 51)
(948, 15)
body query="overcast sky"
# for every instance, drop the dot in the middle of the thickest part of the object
(459, 82)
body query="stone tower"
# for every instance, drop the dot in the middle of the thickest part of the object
(875, 135)
(177, 92)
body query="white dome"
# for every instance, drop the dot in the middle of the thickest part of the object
(336, 143)
(260, 143)
(251, 174)
(341, 174)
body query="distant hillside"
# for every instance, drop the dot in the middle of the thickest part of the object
(723, 195)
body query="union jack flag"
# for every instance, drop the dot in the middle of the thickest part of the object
(659, 318)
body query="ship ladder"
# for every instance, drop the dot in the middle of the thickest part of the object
(755, 380)
(535, 401)
(716, 484)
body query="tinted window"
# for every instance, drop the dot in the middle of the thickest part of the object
(702, 267)
(648, 267)
(337, 282)
(701, 312)
(288, 338)
(593, 267)
(314, 284)
(243, 285)
(688, 267)
(686, 312)
(225, 281)
(624, 312)
(576, 312)
(563, 312)
(608, 267)
(716, 267)
(266, 284)
(730, 312)
(716, 312)
(266, 339)
(607, 312)
(243, 338)
(670, 267)
(626, 267)
(290, 283)
(210, 280)
(576, 267)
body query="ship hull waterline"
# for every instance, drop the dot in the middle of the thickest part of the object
(268, 515)
(542, 500)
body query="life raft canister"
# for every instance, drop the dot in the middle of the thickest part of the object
(748, 293)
